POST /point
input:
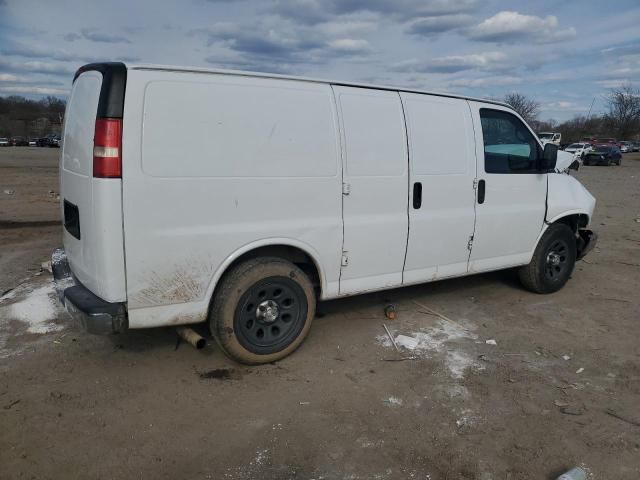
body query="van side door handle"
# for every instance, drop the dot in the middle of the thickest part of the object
(481, 189)
(417, 195)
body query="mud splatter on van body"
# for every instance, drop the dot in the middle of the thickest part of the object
(186, 283)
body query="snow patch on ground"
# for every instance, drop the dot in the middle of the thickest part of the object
(436, 340)
(33, 304)
(37, 310)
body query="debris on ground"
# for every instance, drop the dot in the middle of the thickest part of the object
(46, 266)
(390, 312)
(491, 341)
(9, 405)
(219, 374)
(392, 401)
(393, 342)
(305, 403)
(566, 357)
(410, 343)
(572, 410)
(9, 192)
(580, 370)
(614, 414)
(574, 474)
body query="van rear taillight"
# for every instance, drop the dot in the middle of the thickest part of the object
(107, 148)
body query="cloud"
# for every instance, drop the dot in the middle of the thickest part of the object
(36, 67)
(427, 26)
(279, 41)
(94, 36)
(33, 90)
(349, 45)
(315, 11)
(72, 37)
(508, 26)
(455, 63)
(7, 77)
(44, 52)
(492, 81)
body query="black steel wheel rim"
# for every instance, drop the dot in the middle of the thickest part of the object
(270, 315)
(557, 260)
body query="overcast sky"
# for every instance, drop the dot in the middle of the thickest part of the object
(563, 54)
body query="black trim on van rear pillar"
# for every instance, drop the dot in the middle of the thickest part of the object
(114, 81)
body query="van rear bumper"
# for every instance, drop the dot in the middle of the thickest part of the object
(93, 313)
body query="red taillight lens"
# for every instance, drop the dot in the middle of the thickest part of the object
(107, 148)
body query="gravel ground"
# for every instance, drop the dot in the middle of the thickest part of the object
(559, 387)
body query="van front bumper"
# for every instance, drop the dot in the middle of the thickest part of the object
(93, 313)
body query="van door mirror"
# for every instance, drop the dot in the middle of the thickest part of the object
(549, 157)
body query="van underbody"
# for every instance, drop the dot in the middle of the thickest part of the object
(191, 195)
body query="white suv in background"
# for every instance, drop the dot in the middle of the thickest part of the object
(579, 150)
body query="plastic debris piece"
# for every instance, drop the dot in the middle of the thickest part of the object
(574, 474)
(410, 343)
(580, 370)
(491, 341)
(566, 357)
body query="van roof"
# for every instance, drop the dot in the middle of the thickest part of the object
(170, 68)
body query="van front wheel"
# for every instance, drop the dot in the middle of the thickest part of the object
(552, 262)
(262, 310)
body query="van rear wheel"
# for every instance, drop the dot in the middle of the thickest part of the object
(262, 310)
(552, 262)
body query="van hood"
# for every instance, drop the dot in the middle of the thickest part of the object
(564, 160)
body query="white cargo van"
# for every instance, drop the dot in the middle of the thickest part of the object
(241, 199)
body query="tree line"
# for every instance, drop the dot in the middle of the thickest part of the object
(621, 119)
(23, 117)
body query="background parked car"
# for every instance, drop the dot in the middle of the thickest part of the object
(626, 147)
(636, 147)
(603, 155)
(4, 142)
(579, 150)
(19, 142)
(33, 142)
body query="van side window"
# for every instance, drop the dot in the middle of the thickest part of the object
(509, 147)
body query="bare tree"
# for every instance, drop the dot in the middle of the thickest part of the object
(525, 106)
(624, 110)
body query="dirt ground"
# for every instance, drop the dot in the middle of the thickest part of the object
(559, 388)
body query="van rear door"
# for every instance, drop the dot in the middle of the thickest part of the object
(92, 206)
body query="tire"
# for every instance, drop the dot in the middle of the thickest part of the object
(262, 310)
(543, 274)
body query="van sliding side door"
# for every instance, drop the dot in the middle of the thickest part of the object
(375, 183)
(442, 171)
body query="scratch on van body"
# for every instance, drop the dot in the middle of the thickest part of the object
(273, 130)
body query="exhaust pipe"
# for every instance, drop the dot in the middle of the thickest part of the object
(191, 337)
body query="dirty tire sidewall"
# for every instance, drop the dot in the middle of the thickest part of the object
(230, 293)
(533, 275)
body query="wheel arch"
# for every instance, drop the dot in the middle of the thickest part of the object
(299, 253)
(574, 219)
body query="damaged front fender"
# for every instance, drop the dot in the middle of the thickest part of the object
(585, 242)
